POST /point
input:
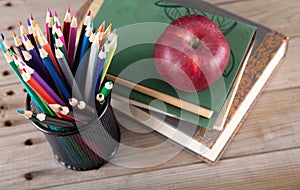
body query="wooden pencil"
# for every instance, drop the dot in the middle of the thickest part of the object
(60, 34)
(86, 22)
(18, 44)
(46, 46)
(31, 30)
(86, 43)
(67, 73)
(112, 49)
(55, 75)
(72, 40)
(23, 30)
(48, 24)
(66, 26)
(77, 116)
(88, 91)
(6, 43)
(45, 119)
(35, 98)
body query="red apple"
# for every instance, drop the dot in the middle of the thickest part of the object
(192, 53)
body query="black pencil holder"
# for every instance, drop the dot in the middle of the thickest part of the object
(86, 147)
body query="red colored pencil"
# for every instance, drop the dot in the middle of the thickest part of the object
(66, 27)
(46, 46)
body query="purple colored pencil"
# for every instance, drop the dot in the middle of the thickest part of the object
(47, 88)
(72, 40)
(39, 65)
(30, 71)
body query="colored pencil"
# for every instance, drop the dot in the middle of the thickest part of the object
(47, 119)
(72, 40)
(112, 35)
(23, 30)
(91, 68)
(100, 98)
(6, 43)
(38, 61)
(55, 75)
(52, 70)
(86, 42)
(60, 35)
(46, 46)
(40, 69)
(79, 117)
(48, 24)
(29, 72)
(80, 41)
(83, 106)
(44, 93)
(41, 105)
(99, 68)
(31, 30)
(112, 49)
(18, 44)
(34, 32)
(56, 20)
(61, 47)
(107, 88)
(67, 73)
(66, 26)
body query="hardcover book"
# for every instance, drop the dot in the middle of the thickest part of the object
(133, 67)
(269, 50)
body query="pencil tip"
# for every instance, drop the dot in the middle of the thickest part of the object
(2, 35)
(21, 23)
(24, 37)
(69, 10)
(21, 111)
(55, 14)
(14, 34)
(50, 14)
(31, 17)
(28, 22)
(75, 14)
(89, 13)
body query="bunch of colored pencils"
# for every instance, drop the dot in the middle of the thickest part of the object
(59, 77)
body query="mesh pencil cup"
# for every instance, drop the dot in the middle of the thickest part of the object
(88, 147)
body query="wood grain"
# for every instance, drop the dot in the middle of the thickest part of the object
(261, 133)
(287, 74)
(276, 14)
(251, 172)
(264, 154)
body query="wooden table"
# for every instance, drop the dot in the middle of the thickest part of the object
(265, 154)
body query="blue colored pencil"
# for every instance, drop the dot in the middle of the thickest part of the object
(42, 70)
(55, 76)
(86, 43)
(62, 61)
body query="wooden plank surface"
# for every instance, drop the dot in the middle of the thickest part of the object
(264, 155)
(252, 172)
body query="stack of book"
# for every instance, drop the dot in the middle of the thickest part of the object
(205, 122)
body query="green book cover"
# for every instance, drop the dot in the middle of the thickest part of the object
(139, 24)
